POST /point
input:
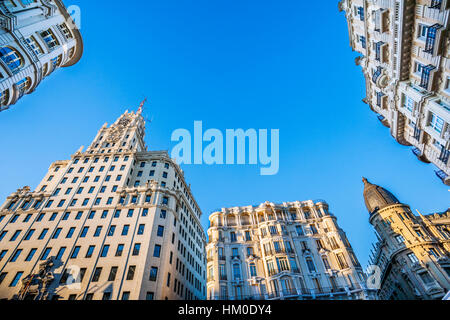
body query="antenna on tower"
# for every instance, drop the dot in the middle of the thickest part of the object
(141, 106)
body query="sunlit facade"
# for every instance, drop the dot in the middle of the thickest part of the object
(292, 250)
(114, 222)
(36, 38)
(412, 255)
(404, 47)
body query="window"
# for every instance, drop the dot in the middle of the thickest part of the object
(112, 274)
(130, 273)
(97, 231)
(11, 58)
(15, 255)
(119, 250)
(15, 235)
(436, 122)
(111, 230)
(90, 251)
(252, 270)
(126, 295)
(34, 45)
(56, 233)
(60, 253)
(423, 31)
(106, 296)
(70, 233)
(75, 252)
(97, 273)
(29, 234)
(43, 234)
(49, 39)
(163, 214)
(30, 255)
(136, 249)
(157, 251)
(141, 229)
(45, 254)
(104, 251)
(399, 239)
(426, 278)
(84, 232)
(160, 231)
(412, 257)
(16, 279)
(125, 229)
(310, 265)
(149, 296)
(236, 271)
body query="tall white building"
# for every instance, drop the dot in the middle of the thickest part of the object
(406, 64)
(118, 220)
(36, 38)
(293, 250)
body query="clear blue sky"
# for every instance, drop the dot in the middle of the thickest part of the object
(232, 64)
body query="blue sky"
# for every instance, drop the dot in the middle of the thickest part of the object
(262, 64)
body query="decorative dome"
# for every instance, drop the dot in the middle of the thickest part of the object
(376, 197)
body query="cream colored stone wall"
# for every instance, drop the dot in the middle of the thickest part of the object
(21, 28)
(115, 182)
(291, 250)
(413, 103)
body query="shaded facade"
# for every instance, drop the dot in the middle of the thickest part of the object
(36, 38)
(404, 47)
(293, 250)
(412, 252)
(115, 221)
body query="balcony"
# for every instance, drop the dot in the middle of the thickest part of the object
(377, 75)
(430, 41)
(435, 4)
(445, 154)
(378, 47)
(416, 133)
(223, 277)
(222, 258)
(443, 176)
(420, 155)
(426, 76)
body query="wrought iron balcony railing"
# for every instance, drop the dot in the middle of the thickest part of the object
(378, 46)
(445, 154)
(441, 175)
(436, 4)
(425, 78)
(377, 74)
(431, 38)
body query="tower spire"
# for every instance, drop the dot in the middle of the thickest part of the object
(141, 106)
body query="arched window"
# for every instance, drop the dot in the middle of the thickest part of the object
(23, 85)
(11, 58)
(4, 97)
(236, 271)
(252, 269)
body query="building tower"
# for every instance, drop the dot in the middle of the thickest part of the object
(412, 252)
(114, 222)
(36, 38)
(293, 250)
(405, 59)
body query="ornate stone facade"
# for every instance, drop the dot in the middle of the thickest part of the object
(36, 38)
(412, 252)
(293, 250)
(118, 221)
(406, 65)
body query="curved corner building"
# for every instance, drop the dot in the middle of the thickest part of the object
(406, 64)
(412, 252)
(114, 222)
(293, 250)
(36, 38)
